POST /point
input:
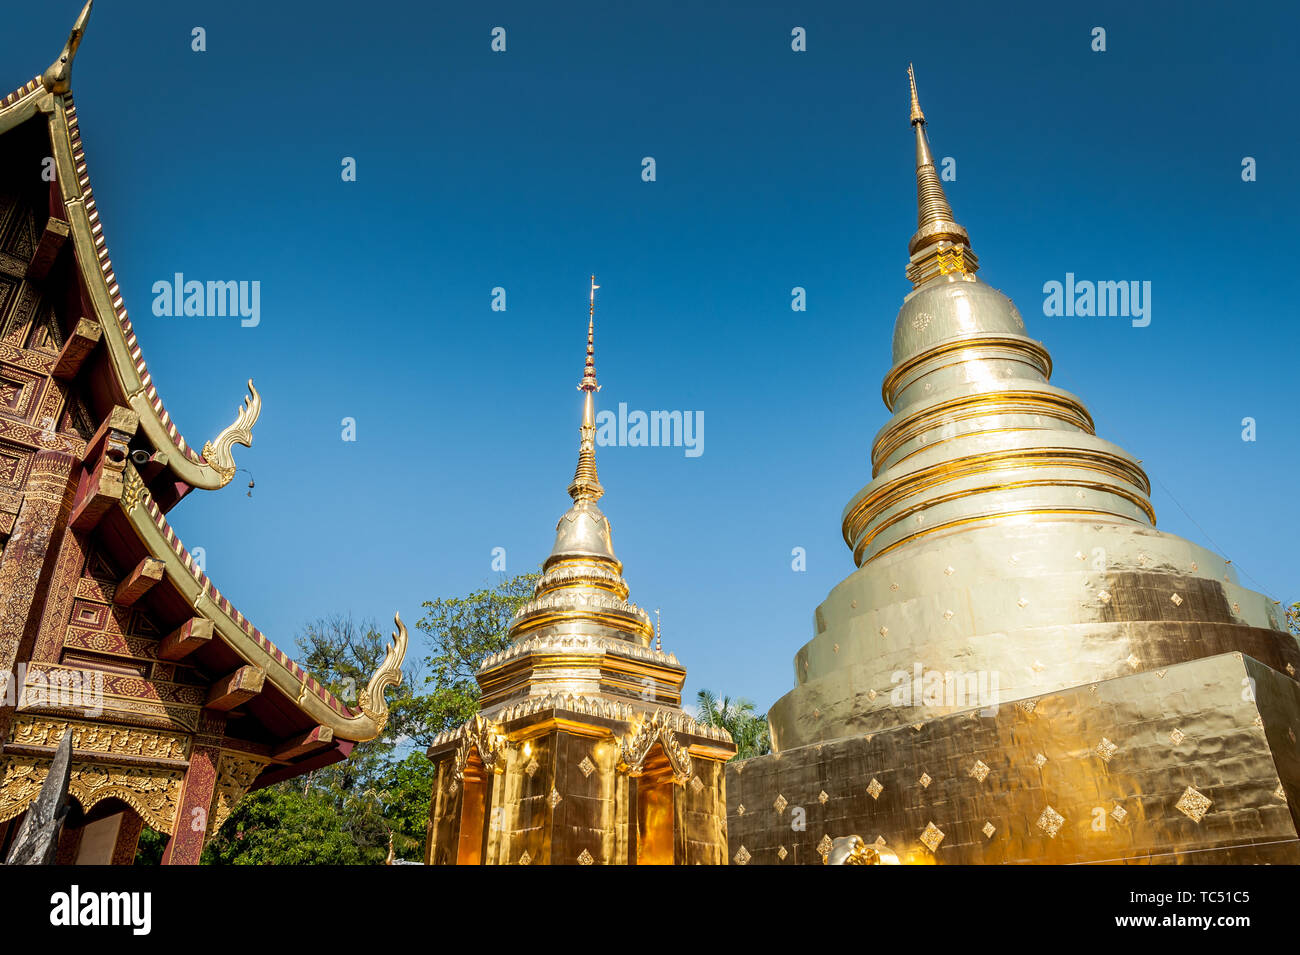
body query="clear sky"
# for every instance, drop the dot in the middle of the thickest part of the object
(774, 169)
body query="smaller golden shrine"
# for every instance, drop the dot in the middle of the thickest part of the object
(581, 752)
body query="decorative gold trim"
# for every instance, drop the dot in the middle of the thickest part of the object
(100, 738)
(1016, 343)
(636, 745)
(483, 735)
(984, 404)
(862, 512)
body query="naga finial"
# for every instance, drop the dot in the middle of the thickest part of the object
(372, 702)
(217, 451)
(58, 78)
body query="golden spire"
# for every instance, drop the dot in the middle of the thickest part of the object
(917, 115)
(940, 245)
(58, 78)
(586, 484)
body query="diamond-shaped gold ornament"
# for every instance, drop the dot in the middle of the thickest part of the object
(822, 797)
(697, 784)
(979, 770)
(1051, 821)
(740, 810)
(525, 859)
(1106, 749)
(931, 837)
(1193, 804)
(585, 858)
(1177, 736)
(780, 803)
(874, 789)
(1039, 760)
(1119, 813)
(532, 768)
(587, 766)
(925, 780)
(781, 853)
(988, 830)
(742, 856)
(824, 846)
(555, 798)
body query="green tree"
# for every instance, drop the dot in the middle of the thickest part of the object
(346, 813)
(1293, 619)
(748, 729)
(285, 825)
(462, 632)
(337, 814)
(409, 785)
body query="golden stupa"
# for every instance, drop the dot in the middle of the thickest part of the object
(581, 753)
(1022, 668)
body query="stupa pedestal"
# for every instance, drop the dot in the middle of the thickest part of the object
(1197, 763)
(580, 782)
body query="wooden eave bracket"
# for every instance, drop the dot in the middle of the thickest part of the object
(316, 738)
(149, 572)
(192, 635)
(48, 248)
(236, 688)
(79, 346)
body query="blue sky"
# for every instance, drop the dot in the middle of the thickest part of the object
(775, 169)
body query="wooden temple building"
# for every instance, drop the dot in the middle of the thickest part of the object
(581, 753)
(109, 629)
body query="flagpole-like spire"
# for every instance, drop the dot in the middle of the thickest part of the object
(940, 245)
(586, 483)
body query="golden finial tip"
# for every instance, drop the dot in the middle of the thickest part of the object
(58, 78)
(917, 115)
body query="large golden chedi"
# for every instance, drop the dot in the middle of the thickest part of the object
(1022, 668)
(581, 752)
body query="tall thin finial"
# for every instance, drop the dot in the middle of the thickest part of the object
(588, 382)
(585, 486)
(58, 78)
(940, 246)
(917, 115)
(659, 632)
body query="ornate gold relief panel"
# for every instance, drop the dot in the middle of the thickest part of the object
(235, 774)
(153, 793)
(110, 740)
